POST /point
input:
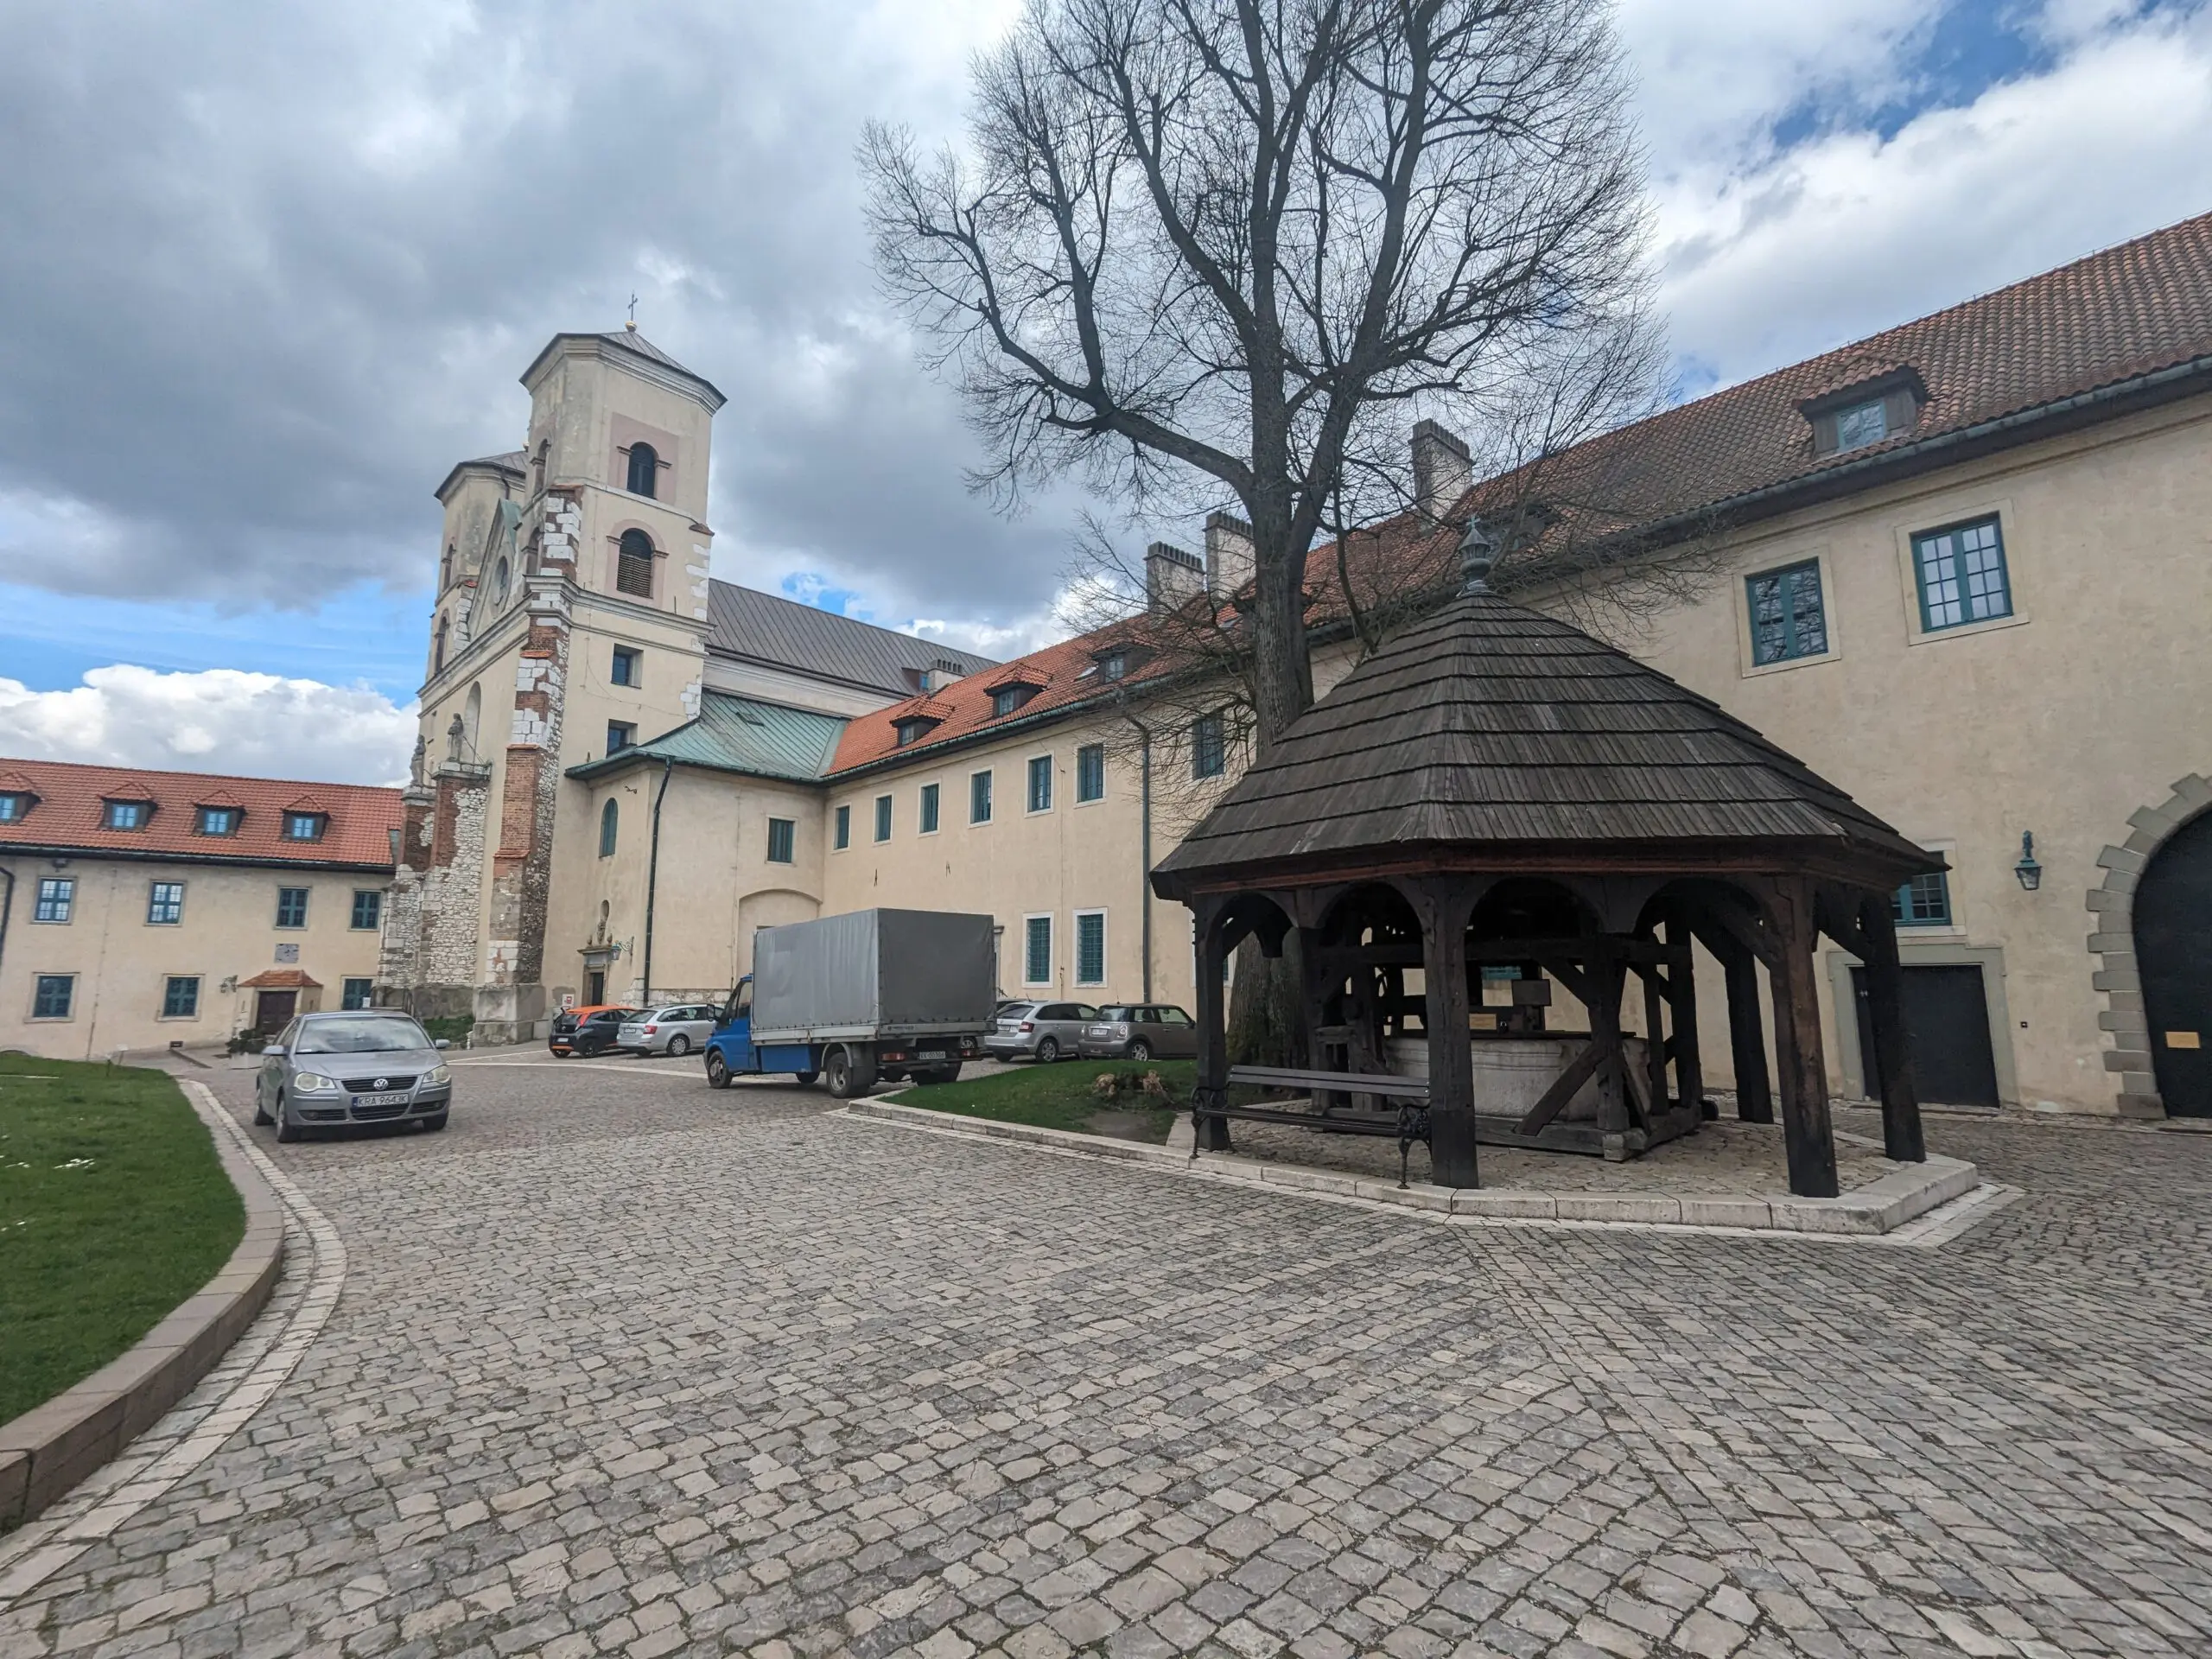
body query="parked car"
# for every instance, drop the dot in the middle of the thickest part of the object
(672, 1028)
(376, 1066)
(1140, 1031)
(1040, 1030)
(589, 1030)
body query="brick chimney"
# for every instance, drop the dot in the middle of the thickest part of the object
(1442, 470)
(1229, 553)
(1172, 577)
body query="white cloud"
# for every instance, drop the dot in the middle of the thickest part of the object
(219, 720)
(1850, 233)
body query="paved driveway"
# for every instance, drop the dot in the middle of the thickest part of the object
(625, 1365)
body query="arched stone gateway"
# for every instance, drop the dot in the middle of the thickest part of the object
(2153, 948)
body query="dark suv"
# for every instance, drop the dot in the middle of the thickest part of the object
(588, 1031)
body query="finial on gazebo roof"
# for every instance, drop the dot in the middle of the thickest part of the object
(1477, 554)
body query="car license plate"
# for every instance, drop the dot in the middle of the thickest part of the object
(931, 1054)
(396, 1098)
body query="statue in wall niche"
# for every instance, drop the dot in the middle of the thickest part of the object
(457, 742)
(415, 761)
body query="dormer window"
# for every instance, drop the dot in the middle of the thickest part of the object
(1113, 664)
(1870, 411)
(218, 821)
(304, 826)
(126, 815)
(643, 464)
(1006, 699)
(13, 807)
(913, 728)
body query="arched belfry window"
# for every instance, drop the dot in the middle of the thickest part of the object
(633, 564)
(644, 463)
(537, 465)
(609, 816)
(445, 568)
(438, 655)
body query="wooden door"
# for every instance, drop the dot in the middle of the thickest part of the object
(272, 1010)
(2173, 952)
(1946, 1032)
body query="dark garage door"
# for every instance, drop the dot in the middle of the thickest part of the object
(1946, 1032)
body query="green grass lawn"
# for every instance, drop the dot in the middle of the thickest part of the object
(113, 1209)
(1060, 1097)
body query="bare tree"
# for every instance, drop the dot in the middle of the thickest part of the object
(1200, 248)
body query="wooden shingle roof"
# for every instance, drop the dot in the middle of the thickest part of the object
(1488, 727)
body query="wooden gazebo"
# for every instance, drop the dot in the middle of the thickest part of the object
(1500, 801)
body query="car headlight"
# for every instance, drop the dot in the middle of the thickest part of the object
(313, 1083)
(436, 1075)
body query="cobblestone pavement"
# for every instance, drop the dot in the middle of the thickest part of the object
(625, 1366)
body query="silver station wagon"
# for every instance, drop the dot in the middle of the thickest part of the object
(672, 1028)
(328, 1069)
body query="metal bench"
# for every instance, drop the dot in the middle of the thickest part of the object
(1408, 1124)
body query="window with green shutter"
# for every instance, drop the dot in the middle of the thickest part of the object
(883, 817)
(1091, 947)
(1037, 950)
(844, 831)
(181, 998)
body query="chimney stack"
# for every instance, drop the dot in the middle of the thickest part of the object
(1229, 553)
(1442, 470)
(1172, 577)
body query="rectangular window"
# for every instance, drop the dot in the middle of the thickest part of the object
(219, 820)
(292, 906)
(368, 909)
(1787, 617)
(1007, 698)
(51, 998)
(1091, 947)
(303, 826)
(883, 817)
(621, 734)
(1091, 772)
(164, 904)
(181, 998)
(1209, 747)
(1862, 423)
(626, 663)
(929, 809)
(57, 895)
(1961, 575)
(1924, 901)
(358, 994)
(844, 828)
(1040, 784)
(12, 807)
(1037, 950)
(125, 815)
(782, 833)
(979, 798)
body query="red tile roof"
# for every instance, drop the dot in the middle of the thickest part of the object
(280, 979)
(66, 813)
(2112, 318)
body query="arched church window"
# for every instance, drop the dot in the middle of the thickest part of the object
(499, 584)
(472, 715)
(609, 817)
(438, 652)
(537, 465)
(633, 564)
(644, 463)
(445, 568)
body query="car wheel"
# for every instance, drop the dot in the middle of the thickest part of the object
(261, 1118)
(1048, 1050)
(717, 1070)
(432, 1125)
(679, 1046)
(849, 1076)
(287, 1131)
(807, 1079)
(1139, 1050)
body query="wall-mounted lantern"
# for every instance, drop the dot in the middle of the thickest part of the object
(2027, 869)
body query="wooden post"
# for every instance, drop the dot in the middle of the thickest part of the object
(1746, 1030)
(1605, 971)
(1807, 1132)
(1655, 1041)
(1900, 1133)
(1212, 1084)
(1681, 985)
(1444, 905)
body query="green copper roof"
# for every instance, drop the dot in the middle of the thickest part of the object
(764, 740)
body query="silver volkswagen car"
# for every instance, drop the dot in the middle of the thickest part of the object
(667, 1028)
(374, 1066)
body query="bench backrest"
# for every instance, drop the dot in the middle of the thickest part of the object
(1350, 1083)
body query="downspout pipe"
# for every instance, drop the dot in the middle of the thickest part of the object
(653, 879)
(1144, 845)
(6, 909)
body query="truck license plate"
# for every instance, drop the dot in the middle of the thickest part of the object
(399, 1098)
(931, 1054)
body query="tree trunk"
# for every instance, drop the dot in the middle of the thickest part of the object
(1267, 1016)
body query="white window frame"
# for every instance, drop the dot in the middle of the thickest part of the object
(67, 899)
(1027, 922)
(1105, 950)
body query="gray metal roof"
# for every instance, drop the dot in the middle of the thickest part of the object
(1488, 723)
(758, 627)
(742, 735)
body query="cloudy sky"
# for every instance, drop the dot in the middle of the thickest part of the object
(271, 268)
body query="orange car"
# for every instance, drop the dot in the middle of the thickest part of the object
(588, 1030)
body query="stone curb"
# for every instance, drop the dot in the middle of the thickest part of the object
(1880, 1207)
(52, 1446)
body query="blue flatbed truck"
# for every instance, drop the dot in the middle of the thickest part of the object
(854, 999)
